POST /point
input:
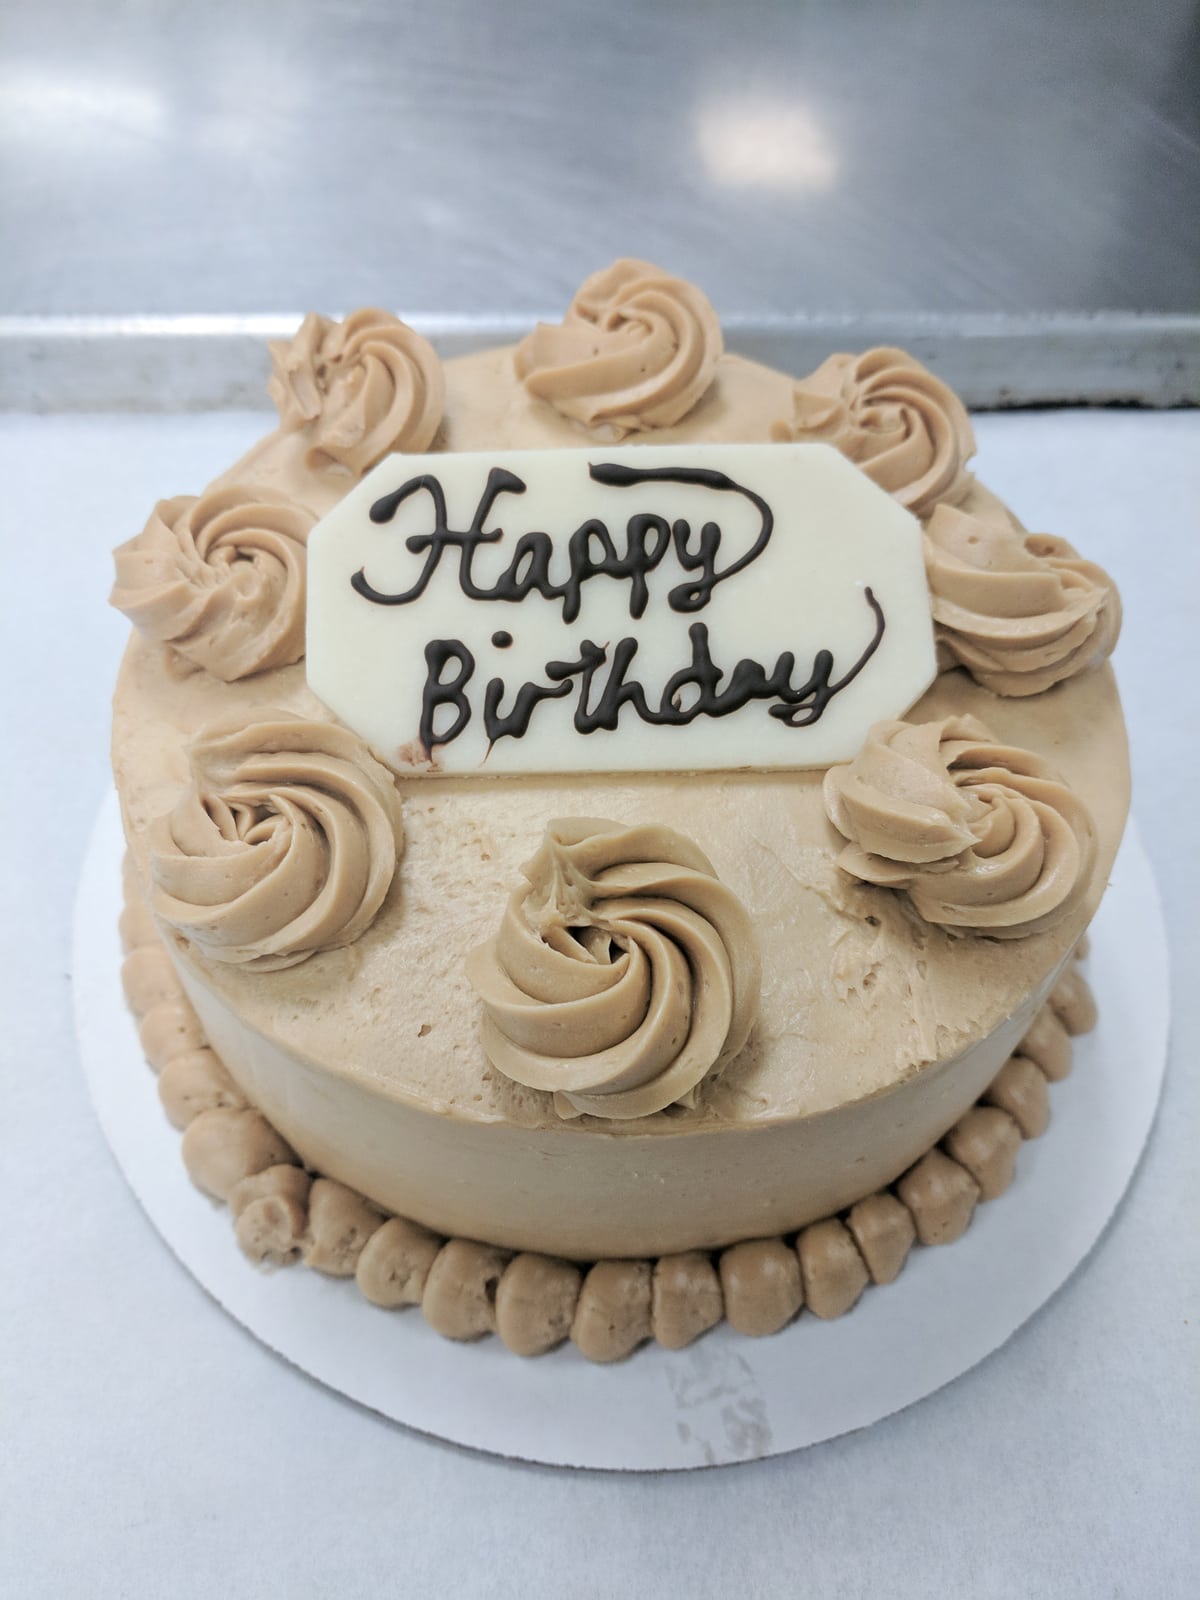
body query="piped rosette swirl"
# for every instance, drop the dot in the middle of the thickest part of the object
(888, 414)
(221, 578)
(623, 972)
(1020, 611)
(981, 836)
(637, 349)
(358, 389)
(285, 843)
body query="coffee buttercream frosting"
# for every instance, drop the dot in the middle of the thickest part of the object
(359, 389)
(1020, 611)
(637, 349)
(221, 578)
(282, 1212)
(888, 414)
(981, 836)
(285, 843)
(874, 1034)
(623, 973)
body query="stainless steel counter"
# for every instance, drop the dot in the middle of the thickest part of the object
(938, 164)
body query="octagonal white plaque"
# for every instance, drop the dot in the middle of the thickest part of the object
(646, 608)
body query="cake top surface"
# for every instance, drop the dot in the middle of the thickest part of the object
(858, 991)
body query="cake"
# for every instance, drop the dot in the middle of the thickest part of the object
(612, 1054)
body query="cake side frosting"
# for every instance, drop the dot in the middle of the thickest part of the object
(465, 1288)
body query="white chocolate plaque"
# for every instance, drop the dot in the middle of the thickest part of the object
(646, 608)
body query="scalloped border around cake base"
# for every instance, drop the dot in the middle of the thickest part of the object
(725, 1397)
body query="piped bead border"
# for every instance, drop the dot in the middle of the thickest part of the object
(284, 1214)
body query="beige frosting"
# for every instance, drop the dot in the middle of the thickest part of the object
(985, 1142)
(225, 1145)
(220, 577)
(459, 1300)
(981, 835)
(285, 843)
(613, 1316)
(195, 1081)
(395, 1262)
(169, 1030)
(902, 426)
(761, 1285)
(884, 1232)
(358, 389)
(270, 1212)
(833, 1271)
(136, 925)
(1020, 1089)
(270, 1231)
(1048, 1044)
(874, 1032)
(149, 980)
(1072, 1003)
(636, 349)
(941, 1196)
(339, 1224)
(1020, 611)
(286, 1182)
(685, 1298)
(533, 1301)
(624, 971)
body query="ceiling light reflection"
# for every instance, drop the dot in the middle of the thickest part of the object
(758, 146)
(39, 109)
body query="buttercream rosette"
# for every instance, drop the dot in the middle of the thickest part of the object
(1020, 611)
(221, 577)
(981, 836)
(285, 843)
(623, 972)
(888, 414)
(359, 389)
(637, 349)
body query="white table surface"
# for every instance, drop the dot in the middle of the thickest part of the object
(149, 1446)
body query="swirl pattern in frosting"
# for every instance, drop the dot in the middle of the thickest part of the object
(285, 844)
(623, 973)
(361, 388)
(637, 349)
(888, 414)
(981, 836)
(1019, 611)
(220, 577)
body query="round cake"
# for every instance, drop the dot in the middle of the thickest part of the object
(374, 959)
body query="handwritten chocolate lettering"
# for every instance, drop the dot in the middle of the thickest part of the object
(797, 705)
(679, 607)
(591, 549)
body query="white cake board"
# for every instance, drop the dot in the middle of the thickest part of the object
(727, 1398)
